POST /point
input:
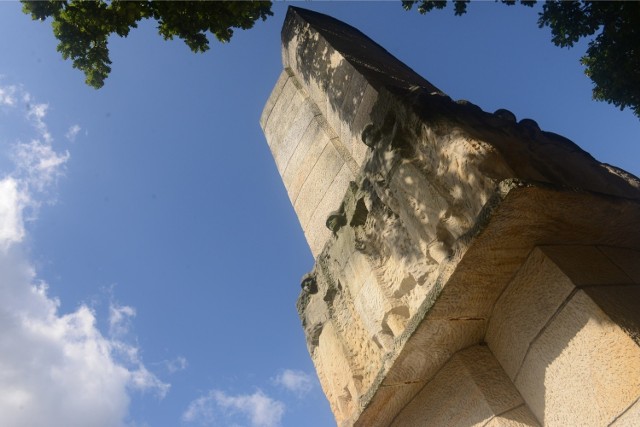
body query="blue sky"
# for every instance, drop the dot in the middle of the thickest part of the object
(149, 256)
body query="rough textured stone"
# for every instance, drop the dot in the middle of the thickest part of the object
(308, 150)
(520, 416)
(582, 370)
(273, 98)
(457, 227)
(531, 299)
(627, 259)
(586, 265)
(629, 418)
(470, 389)
(621, 304)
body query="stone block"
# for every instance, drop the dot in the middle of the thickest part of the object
(349, 132)
(621, 304)
(582, 370)
(285, 105)
(335, 373)
(355, 272)
(586, 265)
(629, 418)
(285, 146)
(341, 80)
(313, 60)
(305, 156)
(371, 306)
(432, 344)
(317, 184)
(530, 300)
(329, 203)
(394, 398)
(361, 119)
(517, 417)
(273, 97)
(627, 259)
(471, 389)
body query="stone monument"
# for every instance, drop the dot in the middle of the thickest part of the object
(471, 269)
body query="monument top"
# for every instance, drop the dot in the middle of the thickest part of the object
(341, 89)
(369, 58)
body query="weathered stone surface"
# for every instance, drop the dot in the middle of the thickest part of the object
(312, 143)
(310, 157)
(582, 370)
(542, 285)
(471, 389)
(628, 260)
(621, 304)
(629, 418)
(538, 304)
(520, 416)
(526, 306)
(456, 227)
(273, 98)
(466, 300)
(586, 265)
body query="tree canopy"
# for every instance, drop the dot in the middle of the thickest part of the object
(83, 27)
(612, 59)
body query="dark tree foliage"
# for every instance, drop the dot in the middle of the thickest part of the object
(83, 27)
(612, 59)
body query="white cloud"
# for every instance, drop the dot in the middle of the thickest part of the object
(120, 319)
(260, 409)
(176, 365)
(7, 95)
(201, 410)
(297, 382)
(38, 164)
(72, 133)
(143, 380)
(36, 113)
(12, 202)
(55, 368)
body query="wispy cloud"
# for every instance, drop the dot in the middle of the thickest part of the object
(120, 319)
(72, 133)
(55, 368)
(7, 95)
(175, 365)
(297, 382)
(38, 165)
(143, 380)
(36, 113)
(258, 408)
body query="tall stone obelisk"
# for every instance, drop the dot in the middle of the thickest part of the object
(470, 269)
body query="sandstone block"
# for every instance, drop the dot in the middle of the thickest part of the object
(629, 418)
(582, 370)
(531, 299)
(520, 416)
(586, 265)
(471, 389)
(627, 259)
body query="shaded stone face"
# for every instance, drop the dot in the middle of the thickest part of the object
(451, 245)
